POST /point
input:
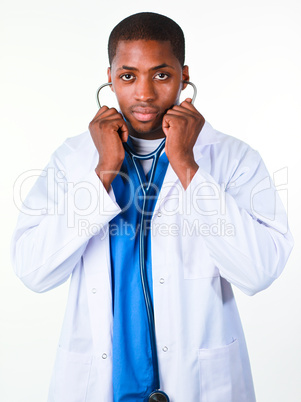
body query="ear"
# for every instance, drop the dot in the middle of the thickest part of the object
(110, 77)
(185, 76)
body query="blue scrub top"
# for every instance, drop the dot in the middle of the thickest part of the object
(133, 377)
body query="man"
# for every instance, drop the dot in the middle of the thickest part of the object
(214, 219)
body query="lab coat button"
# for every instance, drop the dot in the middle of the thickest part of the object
(162, 281)
(104, 356)
(165, 349)
(94, 290)
(159, 214)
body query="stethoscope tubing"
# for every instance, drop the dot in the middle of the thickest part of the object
(142, 249)
(142, 243)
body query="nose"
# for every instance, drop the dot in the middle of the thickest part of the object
(145, 90)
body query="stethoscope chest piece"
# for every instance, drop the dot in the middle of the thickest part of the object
(158, 396)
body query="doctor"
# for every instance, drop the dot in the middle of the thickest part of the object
(214, 220)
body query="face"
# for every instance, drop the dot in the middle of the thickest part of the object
(147, 80)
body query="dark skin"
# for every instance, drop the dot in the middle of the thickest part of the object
(147, 80)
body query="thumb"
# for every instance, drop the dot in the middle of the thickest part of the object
(166, 124)
(123, 132)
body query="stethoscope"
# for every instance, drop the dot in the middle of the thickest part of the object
(157, 395)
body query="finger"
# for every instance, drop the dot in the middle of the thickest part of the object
(187, 104)
(108, 116)
(108, 112)
(100, 111)
(181, 111)
(115, 124)
(167, 122)
(105, 111)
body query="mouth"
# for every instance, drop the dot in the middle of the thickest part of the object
(144, 114)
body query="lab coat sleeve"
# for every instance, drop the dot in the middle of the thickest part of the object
(245, 224)
(57, 219)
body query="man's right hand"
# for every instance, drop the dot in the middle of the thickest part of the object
(108, 130)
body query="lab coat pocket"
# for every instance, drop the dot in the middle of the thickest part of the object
(221, 374)
(71, 376)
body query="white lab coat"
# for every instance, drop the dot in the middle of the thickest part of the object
(228, 227)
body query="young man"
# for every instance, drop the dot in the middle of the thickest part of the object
(213, 219)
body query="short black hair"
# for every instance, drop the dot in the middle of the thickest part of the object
(148, 26)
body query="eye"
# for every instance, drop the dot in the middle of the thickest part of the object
(127, 77)
(161, 76)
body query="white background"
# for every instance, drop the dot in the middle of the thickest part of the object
(245, 59)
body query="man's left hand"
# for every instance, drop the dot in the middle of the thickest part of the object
(182, 125)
